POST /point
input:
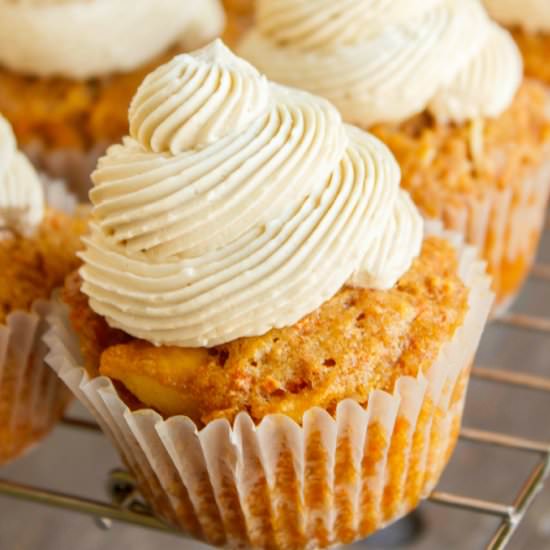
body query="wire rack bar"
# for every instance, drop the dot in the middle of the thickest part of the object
(470, 504)
(528, 322)
(512, 378)
(523, 501)
(80, 423)
(81, 505)
(503, 440)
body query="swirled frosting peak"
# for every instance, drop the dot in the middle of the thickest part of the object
(21, 192)
(185, 105)
(387, 60)
(93, 38)
(237, 206)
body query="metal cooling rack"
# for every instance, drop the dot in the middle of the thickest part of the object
(127, 506)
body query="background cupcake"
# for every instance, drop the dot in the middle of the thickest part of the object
(68, 69)
(441, 84)
(529, 22)
(276, 348)
(38, 247)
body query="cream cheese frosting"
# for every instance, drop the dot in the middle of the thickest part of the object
(387, 60)
(532, 15)
(90, 38)
(21, 192)
(236, 206)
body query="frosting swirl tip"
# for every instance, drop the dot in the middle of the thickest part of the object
(237, 205)
(196, 99)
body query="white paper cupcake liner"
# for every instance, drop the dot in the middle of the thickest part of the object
(506, 227)
(281, 485)
(32, 398)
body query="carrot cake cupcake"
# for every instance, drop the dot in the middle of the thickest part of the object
(441, 84)
(38, 246)
(274, 343)
(69, 68)
(529, 22)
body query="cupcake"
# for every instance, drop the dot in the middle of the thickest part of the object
(441, 85)
(529, 22)
(262, 325)
(38, 247)
(69, 68)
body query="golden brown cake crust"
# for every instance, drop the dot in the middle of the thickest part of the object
(358, 341)
(443, 164)
(535, 48)
(31, 268)
(71, 114)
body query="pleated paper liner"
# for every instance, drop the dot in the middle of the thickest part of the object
(280, 485)
(506, 227)
(32, 398)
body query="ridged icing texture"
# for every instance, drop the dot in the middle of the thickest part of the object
(92, 38)
(386, 60)
(236, 206)
(21, 192)
(532, 15)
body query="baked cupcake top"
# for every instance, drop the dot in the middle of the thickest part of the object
(21, 192)
(237, 206)
(90, 38)
(385, 61)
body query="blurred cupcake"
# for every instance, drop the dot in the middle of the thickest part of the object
(69, 68)
(38, 247)
(239, 18)
(275, 346)
(529, 22)
(441, 84)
